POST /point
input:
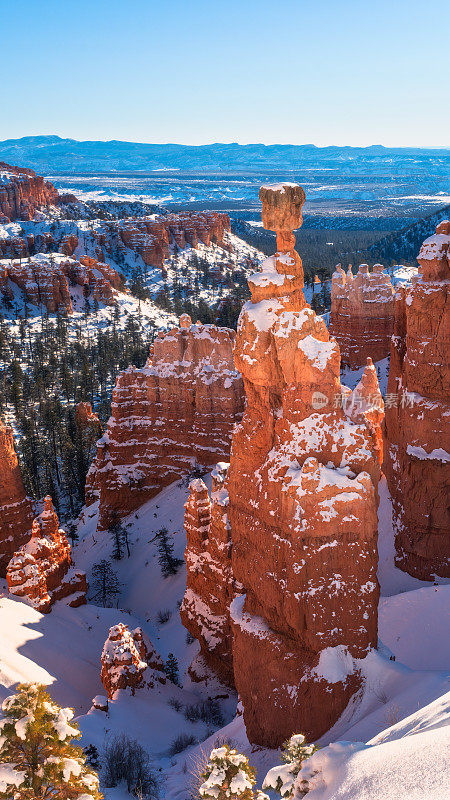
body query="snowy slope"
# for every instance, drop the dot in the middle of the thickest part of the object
(402, 711)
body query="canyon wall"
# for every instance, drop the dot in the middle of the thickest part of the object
(362, 314)
(41, 569)
(44, 279)
(205, 610)
(417, 425)
(16, 510)
(22, 193)
(174, 414)
(302, 485)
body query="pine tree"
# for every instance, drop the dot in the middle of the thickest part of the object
(283, 777)
(105, 583)
(168, 563)
(228, 776)
(37, 756)
(171, 669)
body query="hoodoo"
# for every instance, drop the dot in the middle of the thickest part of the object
(417, 461)
(41, 570)
(175, 413)
(16, 512)
(129, 661)
(362, 314)
(302, 484)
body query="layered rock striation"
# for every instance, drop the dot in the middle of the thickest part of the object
(41, 570)
(22, 193)
(362, 314)
(16, 510)
(302, 485)
(129, 661)
(417, 425)
(44, 279)
(205, 610)
(174, 414)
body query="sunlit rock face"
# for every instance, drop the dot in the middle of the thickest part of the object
(16, 512)
(417, 458)
(362, 314)
(44, 279)
(129, 661)
(41, 569)
(211, 587)
(174, 414)
(22, 193)
(302, 486)
(152, 237)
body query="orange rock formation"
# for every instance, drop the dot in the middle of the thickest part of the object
(205, 610)
(176, 412)
(129, 660)
(16, 512)
(22, 193)
(417, 458)
(41, 570)
(302, 483)
(362, 314)
(44, 279)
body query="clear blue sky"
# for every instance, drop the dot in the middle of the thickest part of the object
(353, 72)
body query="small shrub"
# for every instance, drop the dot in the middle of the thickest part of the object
(175, 704)
(207, 711)
(124, 759)
(182, 742)
(163, 616)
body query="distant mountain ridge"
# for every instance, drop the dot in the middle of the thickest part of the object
(52, 154)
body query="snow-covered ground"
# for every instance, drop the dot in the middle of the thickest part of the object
(401, 713)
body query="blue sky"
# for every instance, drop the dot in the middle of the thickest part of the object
(191, 71)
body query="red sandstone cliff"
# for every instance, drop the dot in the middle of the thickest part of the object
(16, 513)
(176, 412)
(44, 278)
(302, 506)
(41, 570)
(362, 314)
(205, 610)
(22, 193)
(417, 425)
(129, 660)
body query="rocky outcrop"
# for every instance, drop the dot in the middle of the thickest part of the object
(87, 419)
(302, 484)
(175, 413)
(362, 314)
(16, 511)
(129, 661)
(22, 193)
(417, 461)
(205, 610)
(12, 246)
(152, 237)
(44, 279)
(41, 570)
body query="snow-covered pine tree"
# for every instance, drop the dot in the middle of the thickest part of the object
(37, 756)
(282, 778)
(228, 776)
